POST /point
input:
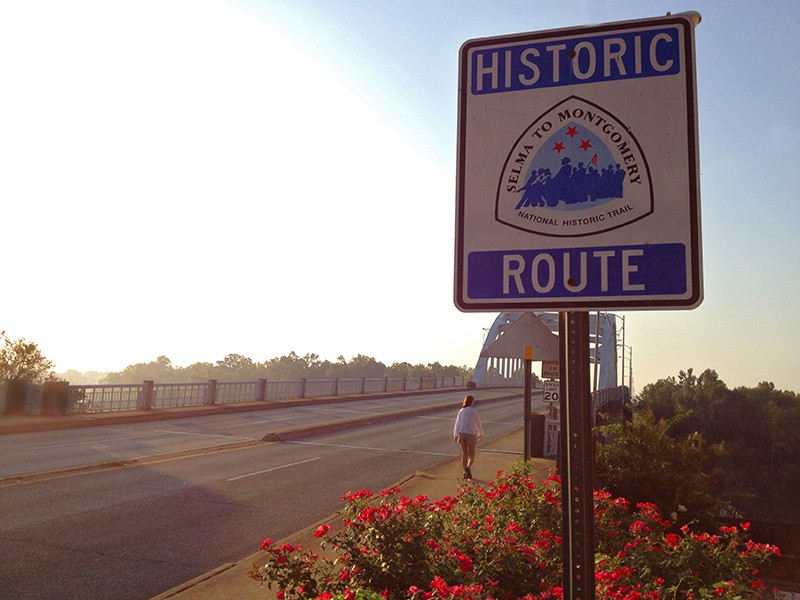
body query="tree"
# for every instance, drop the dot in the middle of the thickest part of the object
(235, 367)
(21, 359)
(759, 427)
(365, 366)
(159, 370)
(402, 369)
(291, 366)
(760, 468)
(76, 377)
(196, 372)
(696, 397)
(643, 463)
(338, 369)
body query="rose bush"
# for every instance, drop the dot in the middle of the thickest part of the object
(503, 540)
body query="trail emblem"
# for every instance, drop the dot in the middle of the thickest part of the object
(577, 170)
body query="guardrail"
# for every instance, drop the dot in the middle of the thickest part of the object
(610, 399)
(62, 398)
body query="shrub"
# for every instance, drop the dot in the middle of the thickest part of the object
(641, 461)
(503, 540)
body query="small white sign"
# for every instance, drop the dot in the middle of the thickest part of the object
(550, 369)
(552, 392)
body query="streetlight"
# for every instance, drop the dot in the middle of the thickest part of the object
(630, 367)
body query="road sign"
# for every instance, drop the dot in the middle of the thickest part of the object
(552, 392)
(550, 369)
(578, 181)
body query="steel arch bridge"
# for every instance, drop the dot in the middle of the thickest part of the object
(603, 351)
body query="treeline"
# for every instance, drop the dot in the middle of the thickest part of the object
(695, 445)
(235, 367)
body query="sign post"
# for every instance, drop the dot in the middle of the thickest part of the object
(578, 190)
(526, 412)
(577, 474)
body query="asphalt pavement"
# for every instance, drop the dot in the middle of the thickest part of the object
(231, 580)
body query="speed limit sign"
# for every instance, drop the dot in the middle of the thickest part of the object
(551, 391)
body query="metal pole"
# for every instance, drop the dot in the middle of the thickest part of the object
(577, 475)
(630, 374)
(622, 369)
(527, 408)
(596, 350)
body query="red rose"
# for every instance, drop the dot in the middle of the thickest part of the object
(322, 530)
(466, 564)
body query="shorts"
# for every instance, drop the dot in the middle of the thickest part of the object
(468, 439)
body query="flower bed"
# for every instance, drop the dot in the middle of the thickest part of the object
(503, 540)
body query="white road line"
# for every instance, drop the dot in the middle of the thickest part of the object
(259, 422)
(145, 433)
(425, 433)
(263, 421)
(87, 442)
(196, 434)
(349, 447)
(484, 422)
(327, 410)
(300, 462)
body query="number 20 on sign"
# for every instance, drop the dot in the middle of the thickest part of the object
(552, 393)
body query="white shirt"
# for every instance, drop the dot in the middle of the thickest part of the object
(468, 421)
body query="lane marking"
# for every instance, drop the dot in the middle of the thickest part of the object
(85, 442)
(113, 465)
(211, 435)
(482, 420)
(263, 421)
(349, 447)
(426, 433)
(145, 433)
(337, 411)
(299, 462)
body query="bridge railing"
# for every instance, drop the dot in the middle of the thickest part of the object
(610, 400)
(100, 398)
(605, 401)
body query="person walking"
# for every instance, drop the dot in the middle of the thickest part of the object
(467, 430)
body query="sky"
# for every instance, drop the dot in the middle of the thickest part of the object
(196, 178)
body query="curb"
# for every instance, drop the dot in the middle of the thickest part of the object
(194, 582)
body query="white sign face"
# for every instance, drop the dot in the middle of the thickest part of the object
(550, 369)
(578, 181)
(552, 391)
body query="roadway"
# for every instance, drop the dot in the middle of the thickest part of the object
(129, 511)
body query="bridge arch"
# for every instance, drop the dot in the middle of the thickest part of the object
(603, 351)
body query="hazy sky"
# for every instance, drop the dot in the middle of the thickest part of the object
(195, 178)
